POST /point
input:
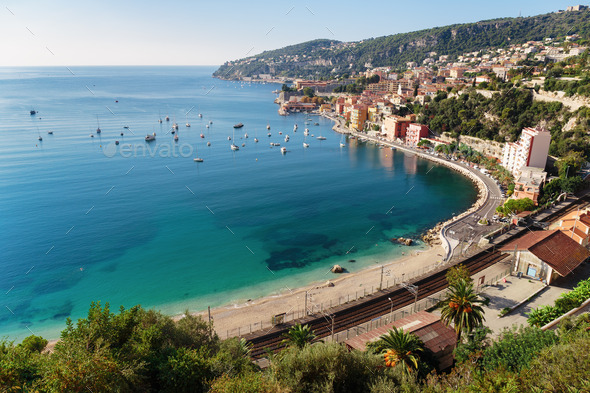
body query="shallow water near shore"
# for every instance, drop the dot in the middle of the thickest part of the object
(83, 219)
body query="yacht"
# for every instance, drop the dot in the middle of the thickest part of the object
(197, 159)
(283, 150)
(321, 138)
(149, 137)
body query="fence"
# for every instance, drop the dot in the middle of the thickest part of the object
(323, 307)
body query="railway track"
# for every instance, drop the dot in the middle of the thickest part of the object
(373, 306)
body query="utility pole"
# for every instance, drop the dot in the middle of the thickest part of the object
(381, 283)
(413, 289)
(305, 308)
(390, 309)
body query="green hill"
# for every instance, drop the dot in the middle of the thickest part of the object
(322, 58)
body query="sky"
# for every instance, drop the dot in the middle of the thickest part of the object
(177, 32)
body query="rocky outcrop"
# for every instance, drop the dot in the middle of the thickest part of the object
(337, 269)
(431, 237)
(402, 240)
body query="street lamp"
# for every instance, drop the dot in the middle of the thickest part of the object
(391, 308)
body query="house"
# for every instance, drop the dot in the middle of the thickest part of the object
(576, 225)
(545, 255)
(358, 116)
(396, 126)
(436, 336)
(529, 183)
(415, 132)
(531, 150)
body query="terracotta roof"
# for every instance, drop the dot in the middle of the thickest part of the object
(554, 248)
(428, 327)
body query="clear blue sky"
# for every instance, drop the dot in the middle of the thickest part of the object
(130, 32)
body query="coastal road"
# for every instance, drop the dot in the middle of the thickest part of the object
(466, 230)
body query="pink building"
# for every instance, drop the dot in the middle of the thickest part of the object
(415, 132)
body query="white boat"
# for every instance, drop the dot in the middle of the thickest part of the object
(342, 144)
(208, 143)
(149, 137)
(321, 138)
(256, 140)
(207, 126)
(295, 127)
(283, 150)
(268, 126)
(175, 126)
(229, 138)
(40, 138)
(286, 138)
(97, 125)
(210, 122)
(246, 135)
(305, 144)
(306, 132)
(197, 158)
(234, 147)
(200, 115)
(188, 124)
(202, 135)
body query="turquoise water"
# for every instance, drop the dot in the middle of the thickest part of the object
(83, 219)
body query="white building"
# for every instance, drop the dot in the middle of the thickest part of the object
(530, 150)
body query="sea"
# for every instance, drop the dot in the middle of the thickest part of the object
(85, 219)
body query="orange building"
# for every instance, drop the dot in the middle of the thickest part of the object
(358, 116)
(576, 225)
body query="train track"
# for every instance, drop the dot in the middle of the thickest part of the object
(376, 305)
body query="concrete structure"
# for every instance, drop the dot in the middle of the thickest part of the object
(415, 132)
(576, 226)
(436, 336)
(544, 255)
(396, 126)
(530, 150)
(358, 116)
(529, 183)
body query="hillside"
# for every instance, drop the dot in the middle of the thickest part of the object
(323, 58)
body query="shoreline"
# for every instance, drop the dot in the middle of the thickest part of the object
(243, 317)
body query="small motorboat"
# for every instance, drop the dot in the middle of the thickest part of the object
(234, 147)
(268, 126)
(188, 124)
(208, 143)
(210, 122)
(305, 144)
(207, 126)
(202, 136)
(246, 135)
(167, 118)
(306, 132)
(342, 144)
(197, 159)
(316, 124)
(175, 126)
(50, 132)
(256, 140)
(269, 134)
(280, 132)
(92, 135)
(149, 137)
(40, 138)
(33, 112)
(176, 138)
(283, 150)
(243, 144)
(121, 134)
(200, 115)
(126, 127)
(286, 138)
(239, 125)
(229, 138)
(173, 132)
(321, 138)
(116, 142)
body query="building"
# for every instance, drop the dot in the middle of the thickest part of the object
(545, 255)
(415, 132)
(530, 150)
(529, 183)
(576, 226)
(576, 8)
(396, 126)
(358, 116)
(438, 338)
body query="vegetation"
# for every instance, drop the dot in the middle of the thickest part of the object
(567, 301)
(328, 58)
(299, 336)
(399, 348)
(458, 273)
(136, 350)
(462, 307)
(515, 206)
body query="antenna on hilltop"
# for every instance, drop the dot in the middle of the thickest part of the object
(520, 13)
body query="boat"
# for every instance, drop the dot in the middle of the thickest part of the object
(92, 135)
(306, 132)
(246, 135)
(283, 150)
(239, 125)
(173, 132)
(176, 138)
(210, 122)
(280, 132)
(197, 158)
(208, 143)
(126, 127)
(175, 126)
(286, 138)
(295, 127)
(305, 144)
(202, 135)
(33, 112)
(121, 134)
(256, 140)
(200, 115)
(316, 124)
(269, 134)
(97, 125)
(50, 132)
(40, 138)
(149, 137)
(229, 138)
(116, 142)
(159, 117)
(167, 118)
(188, 124)
(207, 126)
(321, 138)
(268, 126)
(342, 144)
(233, 146)
(243, 144)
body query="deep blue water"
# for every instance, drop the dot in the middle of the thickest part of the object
(82, 219)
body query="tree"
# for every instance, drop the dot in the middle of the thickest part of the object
(462, 308)
(308, 91)
(570, 164)
(457, 273)
(299, 336)
(34, 343)
(399, 347)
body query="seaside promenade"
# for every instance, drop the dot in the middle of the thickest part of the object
(463, 228)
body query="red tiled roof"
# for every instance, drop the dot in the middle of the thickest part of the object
(428, 327)
(554, 248)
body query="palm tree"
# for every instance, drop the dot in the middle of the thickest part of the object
(299, 336)
(399, 347)
(462, 307)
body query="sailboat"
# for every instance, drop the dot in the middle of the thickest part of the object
(233, 146)
(197, 158)
(98, 125)
(187, 123)
(160, 117)
(305, 144)
(342, 144)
